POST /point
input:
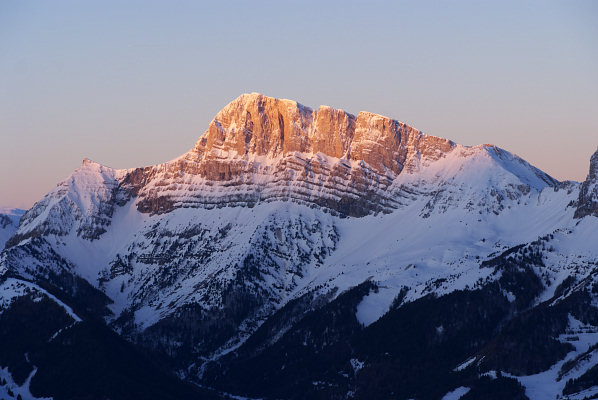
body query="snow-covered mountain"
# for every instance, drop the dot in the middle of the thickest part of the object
(313, 234)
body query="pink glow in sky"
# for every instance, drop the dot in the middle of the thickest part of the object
(136, 83)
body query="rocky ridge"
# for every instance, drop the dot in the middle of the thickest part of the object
(264, 149)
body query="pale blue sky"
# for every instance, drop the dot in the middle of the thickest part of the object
(133, 83)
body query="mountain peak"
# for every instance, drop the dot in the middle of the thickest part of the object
(254, 101)
(257, 125)
(89, 163)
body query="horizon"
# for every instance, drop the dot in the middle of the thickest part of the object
(156, 74)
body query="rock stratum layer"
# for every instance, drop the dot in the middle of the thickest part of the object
(263, 149)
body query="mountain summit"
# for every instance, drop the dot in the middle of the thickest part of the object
(262, 149)
(299, 253)
(256, 125)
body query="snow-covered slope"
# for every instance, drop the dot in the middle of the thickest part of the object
(276, 203)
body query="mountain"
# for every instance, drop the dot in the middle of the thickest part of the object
(298, 253)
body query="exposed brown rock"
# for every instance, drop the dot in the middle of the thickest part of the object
(260, 149)
(333, 132)
(254, 124)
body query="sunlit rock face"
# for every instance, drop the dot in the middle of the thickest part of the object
(261, 149)
(588, 193)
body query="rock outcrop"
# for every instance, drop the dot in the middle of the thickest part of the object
(588, 193)
(260, 149)
(256, 125)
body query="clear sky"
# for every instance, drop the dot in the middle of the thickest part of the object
(133, 83)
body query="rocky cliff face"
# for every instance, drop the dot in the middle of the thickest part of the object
(588, 193)
(261, 149)
(256, 125)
